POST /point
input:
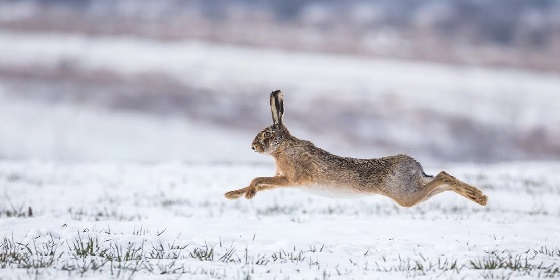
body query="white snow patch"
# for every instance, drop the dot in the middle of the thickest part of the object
(282, 233)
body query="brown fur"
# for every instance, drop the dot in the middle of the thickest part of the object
(300, 163)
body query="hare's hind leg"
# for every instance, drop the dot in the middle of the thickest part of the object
(258, 184)
(444, 182)
(419, 193)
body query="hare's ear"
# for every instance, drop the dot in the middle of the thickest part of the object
(277, 107)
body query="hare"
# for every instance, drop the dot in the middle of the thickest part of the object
(299, 163)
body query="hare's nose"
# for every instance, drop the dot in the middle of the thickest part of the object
(253, 147)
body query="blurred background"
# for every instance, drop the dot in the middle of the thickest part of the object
(158, 80)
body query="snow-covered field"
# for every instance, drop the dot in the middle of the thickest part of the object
(170, 220)
(234, 70)
(92, 190)
(351, 105)
(65, 132)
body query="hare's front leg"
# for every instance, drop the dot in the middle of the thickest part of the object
(236, 193)
(258, 184)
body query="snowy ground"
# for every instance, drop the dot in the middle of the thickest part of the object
(88, 188)
(170, 220)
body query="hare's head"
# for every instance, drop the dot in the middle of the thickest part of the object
(270, 138)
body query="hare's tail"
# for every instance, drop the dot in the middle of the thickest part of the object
(426, 178)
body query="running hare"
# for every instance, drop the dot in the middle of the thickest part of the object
(300, 163)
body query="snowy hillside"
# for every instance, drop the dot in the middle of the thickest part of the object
(123, 123)
(164, 221)
(115, 153)
(347, 104)
(61, 132)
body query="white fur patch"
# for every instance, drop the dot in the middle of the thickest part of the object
(332, 191)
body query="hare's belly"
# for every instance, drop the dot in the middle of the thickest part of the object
(333, 190)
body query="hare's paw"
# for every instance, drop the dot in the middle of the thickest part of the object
(482, 200)
(234, 194)
(250, 193)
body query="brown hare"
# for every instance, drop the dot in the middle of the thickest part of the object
(300, 163)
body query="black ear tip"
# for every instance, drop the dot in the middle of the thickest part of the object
(275, 93)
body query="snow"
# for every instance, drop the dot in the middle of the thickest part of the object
(71, 173)
(365, 237)
(457, 90)
(408, 99)
(65, 132)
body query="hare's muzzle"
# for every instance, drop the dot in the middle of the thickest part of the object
(257, 147)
